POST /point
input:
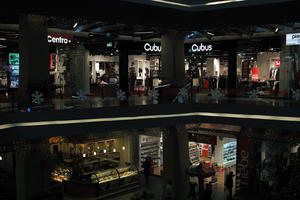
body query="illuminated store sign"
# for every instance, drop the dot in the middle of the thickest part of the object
(60, 39)
(293, 39)
(201, 48)
(152, 48)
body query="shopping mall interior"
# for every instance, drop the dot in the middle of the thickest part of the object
(124, 99)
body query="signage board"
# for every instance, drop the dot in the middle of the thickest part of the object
(293, 39)
(13, 59)
(60, 38)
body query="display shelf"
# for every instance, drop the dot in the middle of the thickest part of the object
(150, 148)
(194, 153)
(229, 154)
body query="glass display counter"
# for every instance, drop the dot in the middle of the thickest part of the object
(128, 175)
(88, 178)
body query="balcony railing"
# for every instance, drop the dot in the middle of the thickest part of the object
(109, 96)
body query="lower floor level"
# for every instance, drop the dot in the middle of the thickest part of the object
(197, 159)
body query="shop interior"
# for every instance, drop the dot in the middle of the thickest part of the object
(258, 67)
(98, 166)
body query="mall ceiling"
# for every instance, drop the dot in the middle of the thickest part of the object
(202, 5)
(156, 15)
(123, 20)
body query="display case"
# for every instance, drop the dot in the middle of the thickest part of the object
(61, 173)
(128, 175)
(92, 177)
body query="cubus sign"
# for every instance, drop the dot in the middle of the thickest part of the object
(60, 38)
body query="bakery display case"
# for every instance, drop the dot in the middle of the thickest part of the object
(62, 173)
(128, 175)
(81, 178)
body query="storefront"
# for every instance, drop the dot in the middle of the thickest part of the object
(144, 64)
(95, 167)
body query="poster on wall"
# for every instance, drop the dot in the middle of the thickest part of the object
(293, 39)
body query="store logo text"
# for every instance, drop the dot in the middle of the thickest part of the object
(154, 48)
(201, 47)
(58, 40)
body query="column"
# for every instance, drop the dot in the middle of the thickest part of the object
(289, 68)
(176, 160)
(172, 58)
(34, 58)
(232, 69)
(135, 150)
(19, 167)
(80, 70)
(123, 66)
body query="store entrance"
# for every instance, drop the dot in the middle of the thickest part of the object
(217, 154)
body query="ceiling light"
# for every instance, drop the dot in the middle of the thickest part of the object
(104, 151)
(222, 2)
(75, 25)
(123, 148)
(276, 30)
(143, 32)
(197, 5)
(84, 155)
(209, 33)
(172, 3)
(2, 39)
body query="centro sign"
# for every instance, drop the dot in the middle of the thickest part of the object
(201, 48)
(60, 39)
(293, 39)
(153, 48)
